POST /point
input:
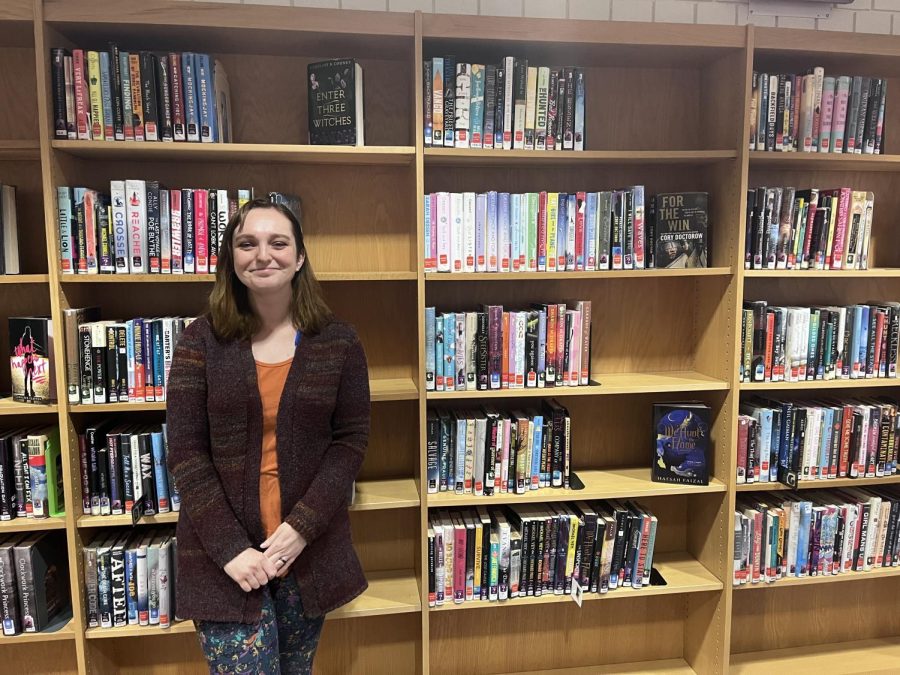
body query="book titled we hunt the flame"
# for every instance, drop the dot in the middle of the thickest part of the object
(31, 359)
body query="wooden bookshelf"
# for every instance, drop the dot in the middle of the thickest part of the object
(660, 335)
(32, 524)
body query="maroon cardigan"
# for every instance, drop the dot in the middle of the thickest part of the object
(215, 420)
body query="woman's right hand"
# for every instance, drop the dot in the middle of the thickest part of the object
(251, 569)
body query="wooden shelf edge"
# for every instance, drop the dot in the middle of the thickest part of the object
(10, 407)
(399, 275)
(860, 383)
(389, 592)
(879, 655)
(66, 632)
(617, 483)
(819, 484)
(661, 666)
(564, 276)
(794, 582)
(32, 524)
(871, 273)
(24, 278)
(125, 520)
(244, 152)
(463, 157)
(683, 573)
(29, 151)
(822, 161)
(605, 384)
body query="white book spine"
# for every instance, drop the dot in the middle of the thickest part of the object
(443, 232)
(136, 209)
(521, 320)
(165, 232)
(64, 210)
(492, 259)
(509, 67)
(457, 241)
(468, 223)
(119, 226)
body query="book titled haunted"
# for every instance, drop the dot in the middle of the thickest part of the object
(334, 92)
(681, 438)
(679, 222)
(31, 359)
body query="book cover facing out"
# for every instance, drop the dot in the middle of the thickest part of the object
(334, 91)
(681, 439)
(31, 359)
(681, 220)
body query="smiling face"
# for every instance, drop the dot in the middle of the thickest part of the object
(265, 252)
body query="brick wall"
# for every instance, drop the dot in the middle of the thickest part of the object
(862, 16)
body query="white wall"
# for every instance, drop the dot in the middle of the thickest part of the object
(861, 16)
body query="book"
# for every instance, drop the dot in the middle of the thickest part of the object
(680, 222)
(9, 231)
(31, 358)
(42, 579)
(681, 442)
(335, 102)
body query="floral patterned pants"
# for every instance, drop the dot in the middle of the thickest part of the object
(282, 643)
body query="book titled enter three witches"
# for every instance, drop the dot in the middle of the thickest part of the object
(681, 439)
(334, 92)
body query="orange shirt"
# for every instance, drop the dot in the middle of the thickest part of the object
(271, 378)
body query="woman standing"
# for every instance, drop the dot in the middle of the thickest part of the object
(268, 421)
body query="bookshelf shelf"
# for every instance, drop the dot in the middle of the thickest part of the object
(551, 277)
(607, 384)
(239, 152)
(390, 592)
(811, 161)
(32, 524)
(879, 655)
(66, 632)
(872, 273)
(210, 278)
(792, 582)
(530, 159)
(11, 407)
(619, 483)
(383, 389)
(813, 385)
(139, 631)
(14, 279)
(18, 151)
(820, 484)
(125, 520)
(683, 574)
(393, 389)
(661, 666)
(371, 495)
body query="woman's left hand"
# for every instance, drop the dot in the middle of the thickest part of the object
(283, 547)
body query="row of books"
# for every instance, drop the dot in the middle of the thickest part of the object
(9, 230)
(791, 441)
(817, 113)
(815, 534)
(808, 229)
(564, 232)
(34, 581)
(123, 471)
(139, 96)
(118, 361)
(31, 477)
(486, 451)
(535, 549)
(793, 344)
(130, 577)
(547, 345)
(507, 106)
(141, 227)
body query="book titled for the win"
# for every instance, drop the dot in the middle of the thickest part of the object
(681, 438)
(335, 97)
(679, 224)
(31, 359)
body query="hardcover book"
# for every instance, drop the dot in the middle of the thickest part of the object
(681, 229)
(335, 98)
(681, 435)
(31, 359)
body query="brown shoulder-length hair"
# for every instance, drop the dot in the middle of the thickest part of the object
(230, 313)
